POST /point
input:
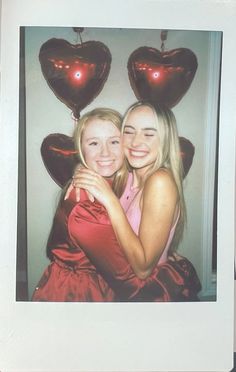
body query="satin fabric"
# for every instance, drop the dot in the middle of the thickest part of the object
(89, 265)
(70, 276)
(89, 228)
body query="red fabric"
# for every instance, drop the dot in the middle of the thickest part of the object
(71, 276)
(90, 228)
(89, 265)
(63, 283)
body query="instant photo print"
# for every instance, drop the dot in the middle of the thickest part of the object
(60, 60)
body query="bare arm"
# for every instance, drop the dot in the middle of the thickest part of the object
(159, 202)
(158, 210)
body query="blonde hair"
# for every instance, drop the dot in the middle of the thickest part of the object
(105, 114)
(168, 157)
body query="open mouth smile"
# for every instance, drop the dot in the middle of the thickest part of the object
(105, 163)
(138, 153)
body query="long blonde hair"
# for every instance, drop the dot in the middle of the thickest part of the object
(169, 156)
(105, 114)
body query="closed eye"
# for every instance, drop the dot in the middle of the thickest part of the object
(115, 142)
(128, 132)
(94, 143)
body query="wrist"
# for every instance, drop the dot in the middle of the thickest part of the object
(113, 204)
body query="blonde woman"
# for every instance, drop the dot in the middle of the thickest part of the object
(148, 220)
(71, 276)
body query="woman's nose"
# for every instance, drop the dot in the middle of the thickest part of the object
(136, 140)
(105, 151)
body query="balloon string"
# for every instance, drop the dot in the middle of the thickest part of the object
(163, 38)
(79, 37)
(81, 42)
(78, 31)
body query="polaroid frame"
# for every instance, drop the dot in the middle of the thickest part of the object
(202, 130)
(119, 338)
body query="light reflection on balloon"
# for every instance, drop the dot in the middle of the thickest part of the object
(78, 75)
(75, 73)
(79, 71)
(155, 73)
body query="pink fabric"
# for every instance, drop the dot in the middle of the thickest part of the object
(130, 201)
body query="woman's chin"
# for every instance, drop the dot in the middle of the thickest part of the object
(107, 173)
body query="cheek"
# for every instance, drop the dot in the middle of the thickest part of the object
(126, 144)
(125, 140)
(89, 155)
(155, 149)
(125, 149)
(119, 153)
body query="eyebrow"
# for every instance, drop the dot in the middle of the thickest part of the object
(97, 138)
(131, 127)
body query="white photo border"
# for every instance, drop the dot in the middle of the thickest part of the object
(116, 337)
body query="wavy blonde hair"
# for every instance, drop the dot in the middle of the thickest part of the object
(168, 157)
(105, 114)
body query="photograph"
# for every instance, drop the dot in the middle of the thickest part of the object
(77, 77)
(117, 215)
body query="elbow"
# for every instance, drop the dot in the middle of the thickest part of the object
(143, 274)
(144, 270)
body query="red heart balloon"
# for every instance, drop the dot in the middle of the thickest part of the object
(60, 157)
(75, 73)
(161, 77)
(187, 151)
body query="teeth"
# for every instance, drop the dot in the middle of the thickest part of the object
(138, 153)
(105, 162)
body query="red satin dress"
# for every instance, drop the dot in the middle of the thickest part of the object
(89, 265)
(70, 276)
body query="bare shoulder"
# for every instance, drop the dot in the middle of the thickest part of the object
(161, 179)
(160, 193)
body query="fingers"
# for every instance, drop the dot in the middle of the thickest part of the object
(90, 196)
(83, 174)
(77, 194)
(70, 188)
(87, 171)
(75, 185)
(86, 179)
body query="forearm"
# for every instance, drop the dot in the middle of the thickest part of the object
(128, 240)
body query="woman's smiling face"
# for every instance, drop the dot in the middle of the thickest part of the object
(140, 138)
(101, 146)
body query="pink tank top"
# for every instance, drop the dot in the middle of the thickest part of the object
(130, 201)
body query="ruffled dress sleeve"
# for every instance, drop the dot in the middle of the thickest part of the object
(90, 229)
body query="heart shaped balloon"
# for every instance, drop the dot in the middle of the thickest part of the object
(60, 157)
(187, 151)
(161, 77)
(75, 73)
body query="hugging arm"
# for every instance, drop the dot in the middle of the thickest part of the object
(159, 203)
(90, 229)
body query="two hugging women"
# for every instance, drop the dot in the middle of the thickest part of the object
(119, 222)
